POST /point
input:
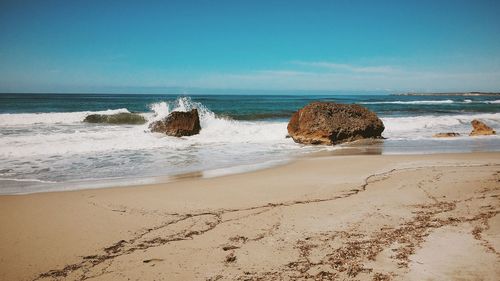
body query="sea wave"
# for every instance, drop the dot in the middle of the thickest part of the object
(14, 119)
(216, 131)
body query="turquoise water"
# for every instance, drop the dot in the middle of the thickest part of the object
(44, 145)
(251, 107)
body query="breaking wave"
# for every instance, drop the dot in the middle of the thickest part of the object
(221, 129)
(82, 138)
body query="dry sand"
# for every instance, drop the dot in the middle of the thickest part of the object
(430, 217)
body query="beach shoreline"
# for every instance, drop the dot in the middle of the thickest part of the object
(290, 220)
(356, 148)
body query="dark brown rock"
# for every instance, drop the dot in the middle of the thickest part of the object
(446, 135)
(481, 129)
(178, 124)
(333, 123)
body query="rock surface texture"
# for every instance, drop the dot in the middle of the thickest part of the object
(333, 123)
(481, 129)
(178, 124)
(119, 118)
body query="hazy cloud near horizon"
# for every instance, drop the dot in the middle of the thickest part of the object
(348, 77)
(342, 77)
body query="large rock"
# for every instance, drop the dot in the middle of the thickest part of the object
(333, 123)
(481, 129)
(178, 124)
(119, 118)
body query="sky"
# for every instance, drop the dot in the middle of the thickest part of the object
(140, 46)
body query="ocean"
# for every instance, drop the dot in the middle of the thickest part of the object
(45, 146)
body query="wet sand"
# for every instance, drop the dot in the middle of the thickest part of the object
(362, 217)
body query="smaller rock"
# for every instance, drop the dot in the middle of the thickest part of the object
(446, 135)
(178, 124)
(119, 118)
(481, 129)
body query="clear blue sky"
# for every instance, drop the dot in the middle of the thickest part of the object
(106, 46)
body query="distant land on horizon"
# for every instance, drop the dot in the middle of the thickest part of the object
(451, 94)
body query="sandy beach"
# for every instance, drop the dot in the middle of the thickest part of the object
(364, 217)
(249, 140)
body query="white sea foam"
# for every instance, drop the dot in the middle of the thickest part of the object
(163, 109)
(13, 119)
